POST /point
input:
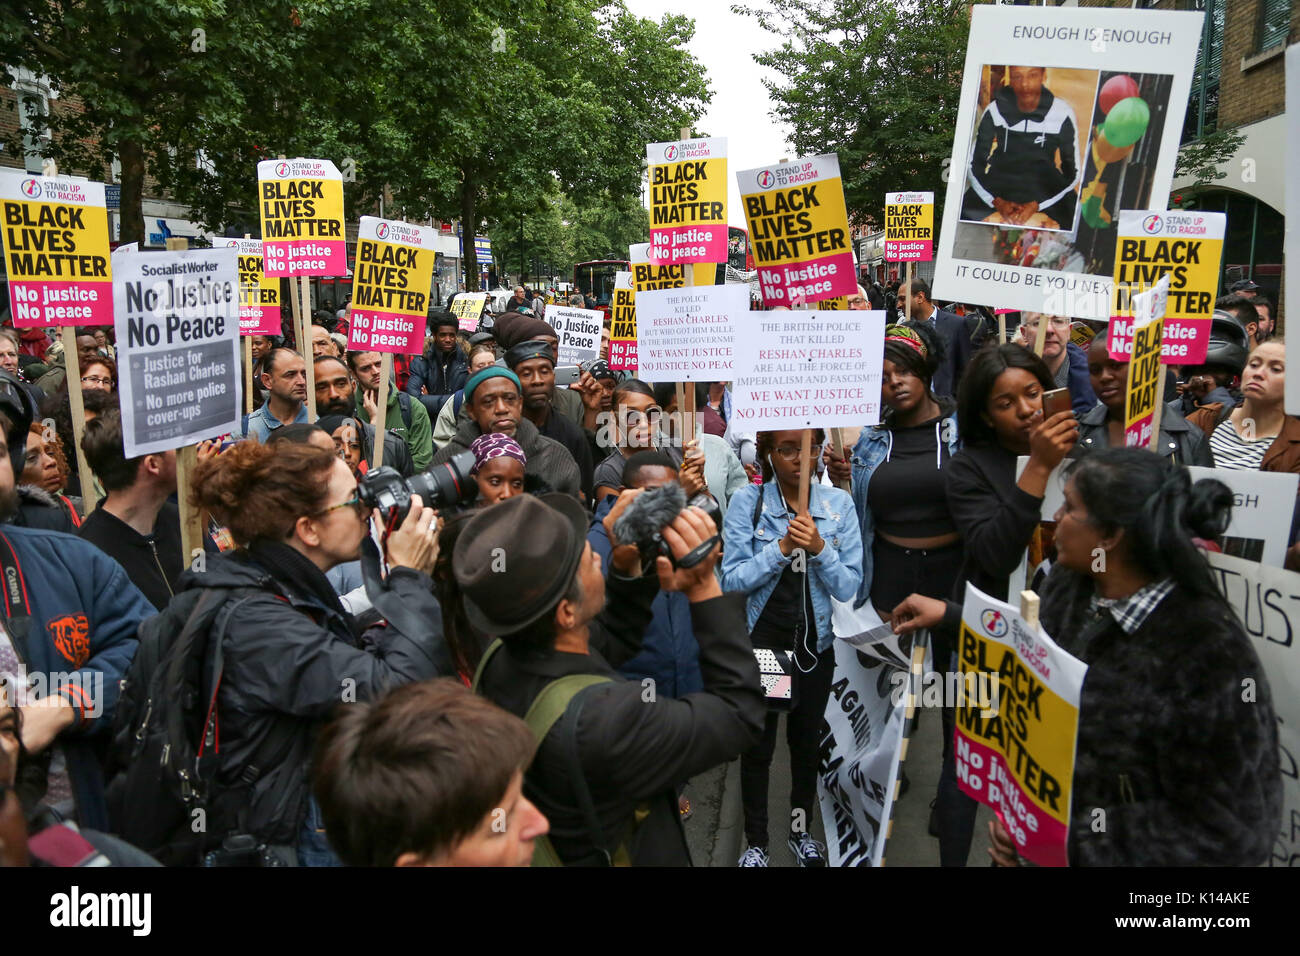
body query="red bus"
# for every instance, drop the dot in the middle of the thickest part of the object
(596, 279)
(740, 254)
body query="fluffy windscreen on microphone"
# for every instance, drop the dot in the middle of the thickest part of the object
(649, 512)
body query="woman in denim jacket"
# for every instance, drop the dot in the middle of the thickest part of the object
(791, 566)
(909, 542)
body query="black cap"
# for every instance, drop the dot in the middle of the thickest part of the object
(1243, 285)
(480, 337)
(524, 351)
(508, 576)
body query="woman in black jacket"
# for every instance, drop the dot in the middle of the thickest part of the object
(1000, 417)
(291, 652)
(1177, 755)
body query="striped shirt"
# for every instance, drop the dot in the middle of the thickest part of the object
(1232, 451)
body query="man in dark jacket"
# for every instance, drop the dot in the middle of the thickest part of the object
(1035, 166)
(1066, 361)
(534, 363)
(135, 524)
(336, 395)
(626, 752)
(494, 404)
(68, 635)
(957, 344)
(442, 369)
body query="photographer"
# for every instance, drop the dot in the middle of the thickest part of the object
(606, 775)
(291, 652)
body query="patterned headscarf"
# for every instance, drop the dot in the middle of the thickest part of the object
(487, 447)
(907, 337)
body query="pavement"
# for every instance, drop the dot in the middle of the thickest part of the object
(715, 831)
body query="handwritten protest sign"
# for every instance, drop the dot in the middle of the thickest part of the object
(688, 201)
(622, 339)
(1186, 247)
(808, 369)
(1145, 393)
(687, 335)
(390, 287)
(799, 230)
(468, 308)
(176, 319)
(909, 227)
(56, 250)
(1018, 756)
(1267, 602)
(301, 205)
(578, 331)
(259, 295)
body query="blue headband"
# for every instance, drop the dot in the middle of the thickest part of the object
(492, 371)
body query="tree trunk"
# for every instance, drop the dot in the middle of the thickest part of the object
(467, 230)
(131, 155)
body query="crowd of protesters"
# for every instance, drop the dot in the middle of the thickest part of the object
(532, 668)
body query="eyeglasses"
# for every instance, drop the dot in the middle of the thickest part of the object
(354, 502)
(791, 452)
(96, 380)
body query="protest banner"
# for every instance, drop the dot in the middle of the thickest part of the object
(390, 295)
(1267, 602)
(56, 250)
(303, 234)
(862, 750)
(622, 338)
(259, 295)
(799, 231)
(1261, 502)
(1186, 247)
(651, 275)
(1086, 109)
(909, 227)
(808, 370)
(1144, 397)
(1017, 757)
(688, 335)
(1292, 242)
(578, 331)
(468, 309)
(688, 201)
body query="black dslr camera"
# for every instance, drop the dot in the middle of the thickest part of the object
(651, 511)
(448, 485)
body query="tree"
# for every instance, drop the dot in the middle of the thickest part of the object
(876, 83)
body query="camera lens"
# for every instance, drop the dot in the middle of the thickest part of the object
(447, 484)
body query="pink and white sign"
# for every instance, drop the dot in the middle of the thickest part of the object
(390, 286)
(688, 201)
(301, 204)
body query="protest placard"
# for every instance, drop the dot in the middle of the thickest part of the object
(578, 331)
(688, 335)
(799, 230)
(862, 751)
(1261, 505)
(688, 201)
(909, 227)
(1267, 602)
(259, 295)
(1066, 116)
(56, 250)
(622, 339)
(652, 275)
(1145, 393)
(1291, 254)
(301, 205)
(1186, 247)
(1015, 747)
(390, 286)
(176, 319)
(467, 307)
(808, 370)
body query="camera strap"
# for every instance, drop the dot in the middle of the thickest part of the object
(398, 615)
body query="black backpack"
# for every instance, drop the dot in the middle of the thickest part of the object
(165, 745)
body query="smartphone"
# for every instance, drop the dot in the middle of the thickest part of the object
(567, 374)
(1057, 400)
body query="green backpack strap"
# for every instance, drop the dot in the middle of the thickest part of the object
(482, 665)
(546, 710)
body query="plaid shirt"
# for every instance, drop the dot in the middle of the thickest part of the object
(1131, 612)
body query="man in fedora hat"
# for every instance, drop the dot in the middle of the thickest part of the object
(613, 751)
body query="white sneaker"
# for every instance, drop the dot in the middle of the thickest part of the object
(754, 856)
(807, 851)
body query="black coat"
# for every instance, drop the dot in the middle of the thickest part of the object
(439, 375)
(1179, 759)
(636, 749)
(1185, 443)
(547, 459)
(958, 348)
(152, 563)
